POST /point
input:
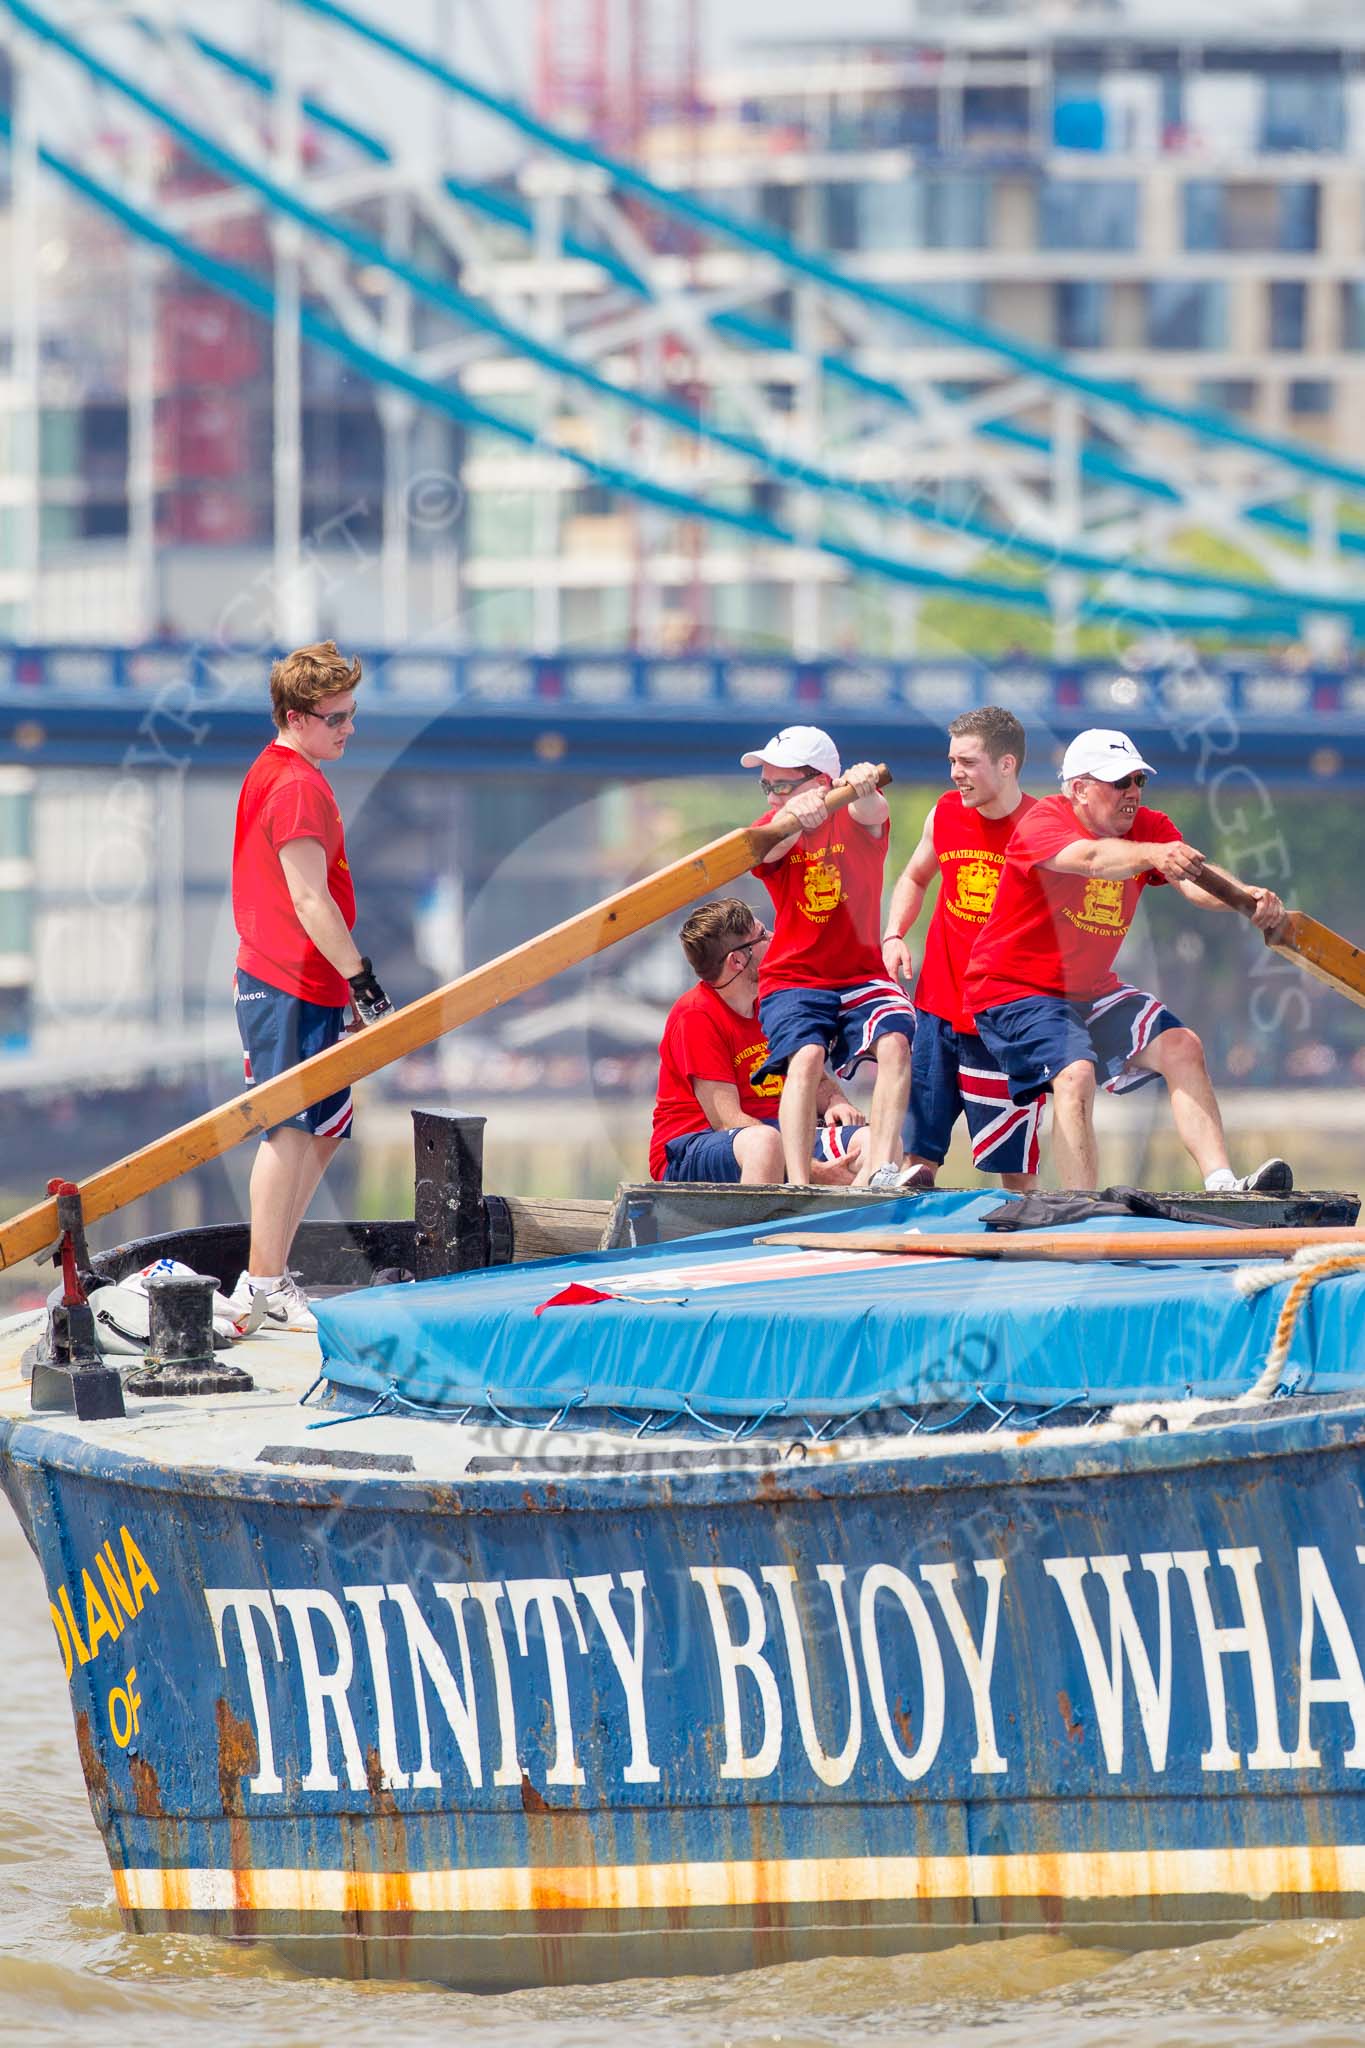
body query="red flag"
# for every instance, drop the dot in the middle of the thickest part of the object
(575, 1295)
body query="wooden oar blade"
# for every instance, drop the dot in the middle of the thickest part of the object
(1324, 954)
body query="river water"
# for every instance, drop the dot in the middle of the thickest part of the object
(66, 1966)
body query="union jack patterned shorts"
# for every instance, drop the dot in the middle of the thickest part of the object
(953, 1075)
(846, 1021)
(1032, 1040)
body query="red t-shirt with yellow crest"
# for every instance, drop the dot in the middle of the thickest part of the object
(827, 900)
(1051, 934)
(971, 860)
(705, 1040)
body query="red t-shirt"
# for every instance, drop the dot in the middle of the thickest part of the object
(286, 797)
(705, 1040)
(827, 896)
(971, 859)
(1051, 934)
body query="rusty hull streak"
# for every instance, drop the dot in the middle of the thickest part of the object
(93, 1769)
(533, 1801)
(146, 1788)
(238, 1758)
(1074, 1728)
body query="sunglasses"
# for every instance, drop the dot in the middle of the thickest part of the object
(333, 720)
(784, 788)
(1137, 780)
(757, 940)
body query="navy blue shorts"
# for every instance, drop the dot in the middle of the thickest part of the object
(846, 1021)
(278, 1030)
(953, 1075)
(710, 1155)
(1032, 1040)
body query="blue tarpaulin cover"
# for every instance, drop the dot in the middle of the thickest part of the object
(726, 1327)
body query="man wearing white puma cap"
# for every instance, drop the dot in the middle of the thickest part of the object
(1040, 981)
(822, 989)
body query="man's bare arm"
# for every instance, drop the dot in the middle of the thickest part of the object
(1119, 860)
(720, 1105)
(907, 900)
(304, 862)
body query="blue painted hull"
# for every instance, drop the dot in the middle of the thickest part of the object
(519, 1729)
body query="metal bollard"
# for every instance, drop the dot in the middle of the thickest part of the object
(180, 1356)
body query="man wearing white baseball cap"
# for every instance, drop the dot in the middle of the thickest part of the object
(1041, 984)
(823, 991)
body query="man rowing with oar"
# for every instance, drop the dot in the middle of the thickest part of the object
(1041, 985)
(822, 990)
(298, 967)
(712, 1121)
(963, 843)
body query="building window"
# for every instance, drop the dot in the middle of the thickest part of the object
(1303, 110)
(1310, 397)
(996, 117)
(1353, 314)
(1082, 308)
(927, 213)
(1251, 218)
(1227, 394)
(954, 213)
(1186, 314)
(1088, 213)
(1287, 307)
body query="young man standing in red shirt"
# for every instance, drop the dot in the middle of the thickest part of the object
(823, 992)
(1040, 980)
(297, 965)
(711, 1121)
(963, 842)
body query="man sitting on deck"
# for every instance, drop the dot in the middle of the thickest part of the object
(711, 1121)
(1040, 980)
(822, 990)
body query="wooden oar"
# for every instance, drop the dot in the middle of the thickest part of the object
(1315, 947)
(406, 1030)
(1081, 1249)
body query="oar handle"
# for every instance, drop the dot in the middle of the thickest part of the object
(781, 825)
(1238, 897)
(1227, 889)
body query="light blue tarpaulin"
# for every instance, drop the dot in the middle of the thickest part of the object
(724, 1327)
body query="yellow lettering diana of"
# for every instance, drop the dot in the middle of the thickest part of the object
(139, 1575)
(107, 1612)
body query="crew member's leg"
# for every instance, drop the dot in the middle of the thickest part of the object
(1042, 1044)
(278, 1030)
(796, 1112)
(758, 1149)
(876, 1021)
(935, 1096)
(887, 1113)
(1074, 1152)
(280, 1168)
(1137, 1038)
(1178, 1056)
(799, 1025)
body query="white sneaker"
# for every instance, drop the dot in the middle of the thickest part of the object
(281, 1307)
(1271, 1177)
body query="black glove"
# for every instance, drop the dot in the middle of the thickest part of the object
(370, 1001)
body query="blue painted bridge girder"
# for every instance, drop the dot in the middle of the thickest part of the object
(623, 715)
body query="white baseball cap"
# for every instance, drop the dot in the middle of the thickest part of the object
(797, 746)
(1108, 756)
